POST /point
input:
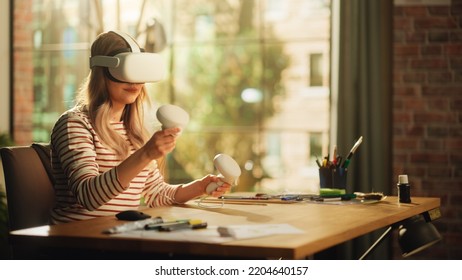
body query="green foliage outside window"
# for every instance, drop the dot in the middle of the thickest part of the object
(217, 75)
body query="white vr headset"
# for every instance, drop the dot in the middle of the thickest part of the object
(131, 65)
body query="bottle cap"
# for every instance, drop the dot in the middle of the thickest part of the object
(402, 179)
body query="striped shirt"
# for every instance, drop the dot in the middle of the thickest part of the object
(85, 172)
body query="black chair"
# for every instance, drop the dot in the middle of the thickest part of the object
(29, 185)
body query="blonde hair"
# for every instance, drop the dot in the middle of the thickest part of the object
(93, 97)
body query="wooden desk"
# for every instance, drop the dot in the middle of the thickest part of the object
(325, 226)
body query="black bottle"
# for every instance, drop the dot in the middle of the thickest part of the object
(404, 189)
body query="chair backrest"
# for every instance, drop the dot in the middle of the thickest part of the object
(29, 187)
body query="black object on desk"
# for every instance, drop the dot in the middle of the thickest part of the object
(132, 215)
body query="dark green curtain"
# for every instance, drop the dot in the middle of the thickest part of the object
(364, 105)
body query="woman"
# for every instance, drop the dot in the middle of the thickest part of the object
(102, 159)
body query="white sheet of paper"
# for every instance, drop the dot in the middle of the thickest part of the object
(214, 234)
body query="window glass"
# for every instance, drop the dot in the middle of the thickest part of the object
(211, 20)
(60, 39)
(253, 75)
(316, 71)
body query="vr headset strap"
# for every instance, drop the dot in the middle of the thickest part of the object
(130, 41)
(104, 61)
(111, 61)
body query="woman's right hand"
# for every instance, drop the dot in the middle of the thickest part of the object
(161, 143)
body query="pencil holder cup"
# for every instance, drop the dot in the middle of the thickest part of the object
(334, 178)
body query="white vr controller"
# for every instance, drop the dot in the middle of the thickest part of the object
(172, 116)
(229, 172)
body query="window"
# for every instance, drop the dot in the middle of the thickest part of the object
(316, 71)
(238, 67)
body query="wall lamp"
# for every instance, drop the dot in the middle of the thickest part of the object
(415, 234)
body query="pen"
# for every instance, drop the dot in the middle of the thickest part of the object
(133, 225)
(352, 151)
(244, 197)
(317, 161)
(339, 161)
(324, 199)
(324, 162)
(334, 159)
(153, 226)
(183, 226)
(242, 202)
(347, 196)
(291, 197)
(342, 197)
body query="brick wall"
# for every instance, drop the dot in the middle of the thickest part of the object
(23, 98)
(427, 130)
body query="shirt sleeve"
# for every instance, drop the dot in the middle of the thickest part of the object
(74, 145)
(157, 192)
